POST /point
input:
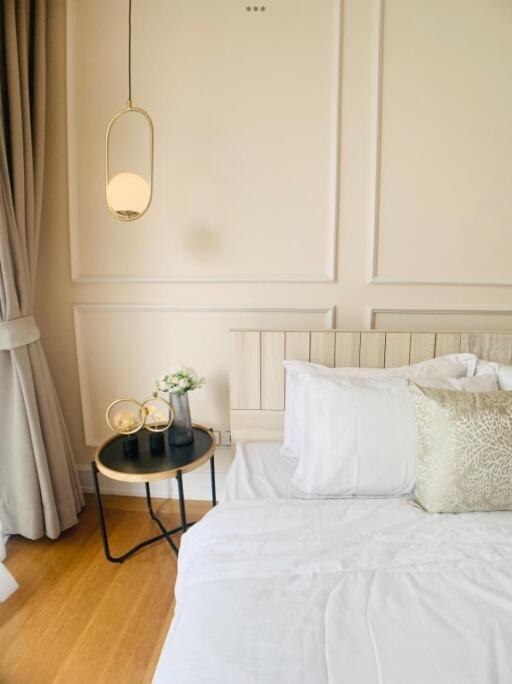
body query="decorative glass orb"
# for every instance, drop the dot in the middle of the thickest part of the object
(128, 195)
(159, 415)
(125, 416)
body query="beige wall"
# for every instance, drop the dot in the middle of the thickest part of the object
(310, 161)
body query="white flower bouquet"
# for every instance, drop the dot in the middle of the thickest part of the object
(179, 380)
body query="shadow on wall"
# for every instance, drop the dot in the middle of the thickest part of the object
(202, 240)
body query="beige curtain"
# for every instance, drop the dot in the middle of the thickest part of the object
(39, 489)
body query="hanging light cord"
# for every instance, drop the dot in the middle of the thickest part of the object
(129, 53)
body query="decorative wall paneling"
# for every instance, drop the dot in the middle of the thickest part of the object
(424, 318)
(227, 188)
(426, 182)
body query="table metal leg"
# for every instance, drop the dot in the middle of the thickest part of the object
(103, 527)
(212, 480)
(165, 532)
(101, 515)
(183, 513)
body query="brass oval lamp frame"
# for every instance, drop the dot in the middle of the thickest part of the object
(128, 110)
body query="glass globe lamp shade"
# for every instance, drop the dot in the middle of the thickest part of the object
(128, 195)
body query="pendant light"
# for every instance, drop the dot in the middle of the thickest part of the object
(128, 194)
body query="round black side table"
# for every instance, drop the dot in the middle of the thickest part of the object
(146, 467)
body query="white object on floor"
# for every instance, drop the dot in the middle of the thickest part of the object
(7, 582)
(328, 591)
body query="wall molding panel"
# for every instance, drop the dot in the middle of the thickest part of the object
(80, 271)
(374, 249)
(374, 312)
(375, 278)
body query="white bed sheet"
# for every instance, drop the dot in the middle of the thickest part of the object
(342, 591)
(259, 471)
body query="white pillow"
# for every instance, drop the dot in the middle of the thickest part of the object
(486, 382)
(449, 366)
(503, 372)
(358, 437)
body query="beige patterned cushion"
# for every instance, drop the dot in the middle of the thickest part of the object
(465, 450)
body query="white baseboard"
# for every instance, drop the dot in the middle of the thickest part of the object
(196, 485)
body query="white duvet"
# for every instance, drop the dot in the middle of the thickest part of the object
(353, 592)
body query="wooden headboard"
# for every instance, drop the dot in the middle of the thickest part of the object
(257, 378)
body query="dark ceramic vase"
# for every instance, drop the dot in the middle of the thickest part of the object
(180, 432)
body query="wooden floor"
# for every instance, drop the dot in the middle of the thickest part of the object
(77, 618)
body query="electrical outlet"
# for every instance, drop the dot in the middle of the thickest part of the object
(216, 434)
(226, 438)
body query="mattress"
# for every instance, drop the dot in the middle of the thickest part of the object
(330, 591)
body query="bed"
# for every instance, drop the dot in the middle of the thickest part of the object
(277, 586)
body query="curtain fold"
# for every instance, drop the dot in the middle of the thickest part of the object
(39, 489)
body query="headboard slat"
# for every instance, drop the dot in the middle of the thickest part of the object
(447, 343)
(347, 349)
(491, 346)
(272, 371)
(322, 348)
(245, 376)
(373, 349)
(398, 347)
(423, 347)
(297, 346)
